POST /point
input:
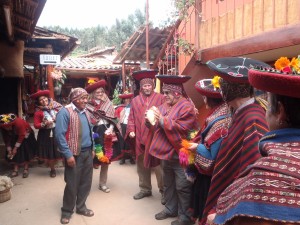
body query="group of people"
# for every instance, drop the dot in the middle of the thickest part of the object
(240, 167)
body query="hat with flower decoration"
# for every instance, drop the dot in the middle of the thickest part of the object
(7, 119)
(95, 85)
(209, 87)
(284, 79)
(173, 82)
(40, 93)
(126, 95)
(234, 69)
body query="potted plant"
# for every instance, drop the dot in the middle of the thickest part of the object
(59, 79)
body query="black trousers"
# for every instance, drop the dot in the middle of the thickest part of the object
(78, 183)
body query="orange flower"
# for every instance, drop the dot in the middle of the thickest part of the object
(281, 63)
(185, 144)
(295, 64)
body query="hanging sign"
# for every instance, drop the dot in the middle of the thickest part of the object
(49, 59)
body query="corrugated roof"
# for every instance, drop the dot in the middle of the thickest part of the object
(134, 50)
(88, 64)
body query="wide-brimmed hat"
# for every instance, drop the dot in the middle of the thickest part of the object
(142, 74)
(7, 119)
(92, 87)
(126, 95)
(206, 88)
(173, 79)
(173, 82)
(234, 69)
(274, 81)
(40, 93)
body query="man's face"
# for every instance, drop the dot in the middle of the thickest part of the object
(170, 97)
(147, 89)
(81, 103)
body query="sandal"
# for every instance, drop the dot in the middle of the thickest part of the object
(87, 212)
(25, 173)
(14, 173)
(52, 173)
(64, 220)
(104, 189)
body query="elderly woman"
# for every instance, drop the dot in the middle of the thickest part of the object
(44, 120)
(107, 149)
(268, 191)
(239, 147)
(19, 141)
(206, 143)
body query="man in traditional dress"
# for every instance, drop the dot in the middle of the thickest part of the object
(239, 148)
(174, 120)
(73, 133)
(136, 129)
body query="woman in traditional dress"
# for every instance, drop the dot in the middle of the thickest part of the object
(127, 149)
(239, 147)
(105, 131)
(268, 192)
(19, 141)
(206, 144)
(44, 120)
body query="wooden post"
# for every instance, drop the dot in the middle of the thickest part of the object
(123, 77)
(50, 81)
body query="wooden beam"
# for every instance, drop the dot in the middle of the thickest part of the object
(279, 38)
(21, 17)
(39, 50)
(22, 31)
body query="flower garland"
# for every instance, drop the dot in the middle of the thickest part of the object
(105, 155)
(187, 156)
(286, 66)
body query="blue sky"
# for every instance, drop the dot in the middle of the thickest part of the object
(90, 13)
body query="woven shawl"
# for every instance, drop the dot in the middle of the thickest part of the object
(238, 150)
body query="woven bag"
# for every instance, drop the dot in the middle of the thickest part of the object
(5, 195)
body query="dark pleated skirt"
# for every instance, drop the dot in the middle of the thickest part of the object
(26, 152)
(199, 195)
(126, 147)
(116, 145)
(47, 146)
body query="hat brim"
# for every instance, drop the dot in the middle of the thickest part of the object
(173, 79)
(94, 86)
(125, 96)
(234, 69)
(40, 93)
(142, 74)
(282, 84)
(208, 90)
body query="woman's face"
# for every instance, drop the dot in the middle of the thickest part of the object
(99, 93)
(43, 101)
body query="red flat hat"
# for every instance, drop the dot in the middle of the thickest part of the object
(141, 74)
(40, 93)
(206, 88)
(173, 79)
(96, 85)
(273, 81)
(126, 95)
